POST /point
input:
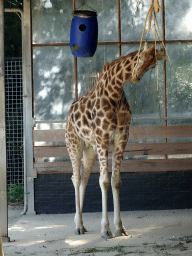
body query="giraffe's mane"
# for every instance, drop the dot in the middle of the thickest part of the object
(108, 66)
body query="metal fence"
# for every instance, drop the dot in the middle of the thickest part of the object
(14, 120)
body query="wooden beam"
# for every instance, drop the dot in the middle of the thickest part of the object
(158, 148)
(156, 165)
(50, 151)
(160, 132)
(137, 132)
(49, 135)
(130, 150)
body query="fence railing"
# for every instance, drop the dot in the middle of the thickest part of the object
(51, 156)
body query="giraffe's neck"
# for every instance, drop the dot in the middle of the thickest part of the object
(114, 75)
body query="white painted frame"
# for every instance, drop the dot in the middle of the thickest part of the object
(28, 123)
(3, 158)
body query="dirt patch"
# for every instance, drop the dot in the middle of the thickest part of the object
(174, 248)
(15, 206)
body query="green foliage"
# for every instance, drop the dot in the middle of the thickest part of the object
(15, 193)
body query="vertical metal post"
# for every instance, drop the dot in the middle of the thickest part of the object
(75, 64)
(3, 159)
(119, 25)
(74, 5)
(164, 73)
(76, 78)
(28, 123)
(164, 66)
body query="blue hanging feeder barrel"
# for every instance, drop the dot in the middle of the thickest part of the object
(84, 33)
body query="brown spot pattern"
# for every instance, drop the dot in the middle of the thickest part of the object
(77, 115)
(100, 114)
(98, 121)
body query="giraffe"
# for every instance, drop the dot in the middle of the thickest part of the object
(97, 119)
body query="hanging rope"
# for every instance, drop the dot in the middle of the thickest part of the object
(151, 10)
(151, 13)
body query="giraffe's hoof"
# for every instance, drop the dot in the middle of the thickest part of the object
(106, 234)
(84, 229)
(80, 231)
(121, 232)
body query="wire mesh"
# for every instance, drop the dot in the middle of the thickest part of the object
(14, 121)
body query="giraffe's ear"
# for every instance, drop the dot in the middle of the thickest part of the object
(145, 46)
(161, 55)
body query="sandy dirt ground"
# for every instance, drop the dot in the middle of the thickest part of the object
(150, 233)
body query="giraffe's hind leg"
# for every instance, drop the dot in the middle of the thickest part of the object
(88, 159)
(120, 141)
(76, 179)
(89, 155)
(75, 149)
(116, 184)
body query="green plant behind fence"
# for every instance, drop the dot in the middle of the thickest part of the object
(15, 193)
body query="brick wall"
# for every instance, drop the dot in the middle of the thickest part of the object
(54, 193)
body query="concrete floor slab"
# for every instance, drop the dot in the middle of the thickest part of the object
(150, 233)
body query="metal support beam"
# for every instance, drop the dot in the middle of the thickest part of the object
(119, 25)
(3, 159)
(28, 122)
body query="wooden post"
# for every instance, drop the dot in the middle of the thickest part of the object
(1, 246)
(3, 159)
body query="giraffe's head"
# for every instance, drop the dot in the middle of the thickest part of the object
(147, 59)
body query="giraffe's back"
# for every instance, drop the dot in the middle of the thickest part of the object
(96, 118)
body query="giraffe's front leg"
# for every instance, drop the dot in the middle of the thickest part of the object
(119, 228)
(116, 183)
(104, 183)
